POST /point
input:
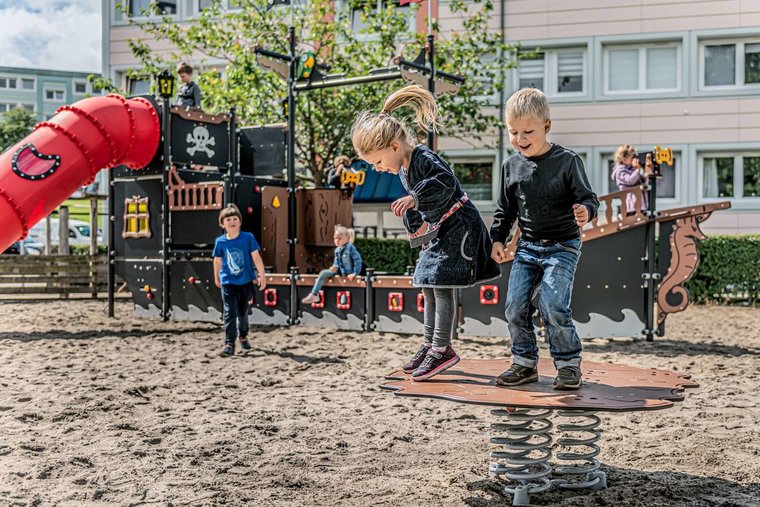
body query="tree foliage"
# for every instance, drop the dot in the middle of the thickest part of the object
(14, 126)
(218, 43)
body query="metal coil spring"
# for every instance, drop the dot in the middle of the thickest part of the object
(592, 477)
(528, 448)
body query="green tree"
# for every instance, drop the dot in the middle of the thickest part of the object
(324, 117)
(14, 126)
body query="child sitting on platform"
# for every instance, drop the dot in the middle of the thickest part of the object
(544, 187)
(628, 173)
(235, 254)
(437, 215)
(348, 262)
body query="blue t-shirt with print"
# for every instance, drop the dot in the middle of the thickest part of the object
(237, 265)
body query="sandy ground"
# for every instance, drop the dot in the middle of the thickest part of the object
(134, 412)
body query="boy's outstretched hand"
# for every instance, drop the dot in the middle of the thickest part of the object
(498, 253)
(581, 214)
(399, 206)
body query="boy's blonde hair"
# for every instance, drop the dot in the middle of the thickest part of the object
(375, 131)
(229, 211)
(528, 103)
(624, 151)
(345, 231)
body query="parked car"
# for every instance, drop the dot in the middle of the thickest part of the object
(31, 247)
(79, 233)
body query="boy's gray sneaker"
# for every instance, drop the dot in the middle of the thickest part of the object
(517, 374)
(568, 378)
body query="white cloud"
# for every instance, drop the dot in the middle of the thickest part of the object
(51, 34)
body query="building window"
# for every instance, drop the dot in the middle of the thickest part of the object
(8, 83)
(733, 177)
(80, 88)
(224, 4)
(730, 64)
(5, 107)
(649, 68)
(666, 184)
(556, 72)
(475, 174)
(27, 84)
(138, 86)
(29, 108)
(360, 22)
(55, 94)
(143, 8)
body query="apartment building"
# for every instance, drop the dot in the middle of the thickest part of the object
(41, 91)
(677, 73)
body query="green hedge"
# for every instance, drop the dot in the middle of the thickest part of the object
(729, 267)
(387, 255)
(729, 270)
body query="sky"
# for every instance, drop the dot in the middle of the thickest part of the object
(51, 34)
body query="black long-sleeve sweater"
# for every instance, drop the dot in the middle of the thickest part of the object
(539, 192)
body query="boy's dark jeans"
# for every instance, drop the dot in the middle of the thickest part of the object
(551, 266)
(236, 300)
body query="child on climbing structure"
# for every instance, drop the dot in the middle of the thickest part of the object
(545, 188)
(235, 254)
(437, 215)
(189, 93)
(348, 262)
(628, 173)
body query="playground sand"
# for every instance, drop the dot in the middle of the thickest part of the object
(135, 412)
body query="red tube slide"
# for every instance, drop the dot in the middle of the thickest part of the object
(66, 152)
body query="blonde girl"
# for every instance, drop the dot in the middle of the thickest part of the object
(438, 217)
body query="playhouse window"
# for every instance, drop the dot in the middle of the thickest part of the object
(137, 218)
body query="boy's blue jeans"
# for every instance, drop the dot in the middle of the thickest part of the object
(323, 275)
(551, 268)
(236, 300)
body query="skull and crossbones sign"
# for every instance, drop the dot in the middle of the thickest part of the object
(201, 139)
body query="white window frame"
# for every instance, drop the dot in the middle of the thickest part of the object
(24, 106)
(739, 76)
(8, 77)
(642, 66)
(345, 6)
(738, 182)
(87, 87)
(54, 89)
(551, 70)
(34, 84)
(679, 155)
(476, 156)
(124, 17)
(225, 5)
(9, 106)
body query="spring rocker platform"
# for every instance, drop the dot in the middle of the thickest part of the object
(524, 431)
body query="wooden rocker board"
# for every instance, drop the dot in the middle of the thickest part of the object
(606, 387)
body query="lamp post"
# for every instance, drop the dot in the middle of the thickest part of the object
(165, 84)
(166, 91)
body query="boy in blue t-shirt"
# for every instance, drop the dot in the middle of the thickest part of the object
(235, 254)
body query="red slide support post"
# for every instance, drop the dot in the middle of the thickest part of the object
(66, 152)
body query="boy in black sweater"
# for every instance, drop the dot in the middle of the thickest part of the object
(545, 188)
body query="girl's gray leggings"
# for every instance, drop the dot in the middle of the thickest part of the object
(439, 316)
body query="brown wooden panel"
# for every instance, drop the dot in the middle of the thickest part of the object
(606, 387)
(274, 228)
(336, 281)
(321, 210)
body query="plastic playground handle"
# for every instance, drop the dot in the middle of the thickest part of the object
(67, 151)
